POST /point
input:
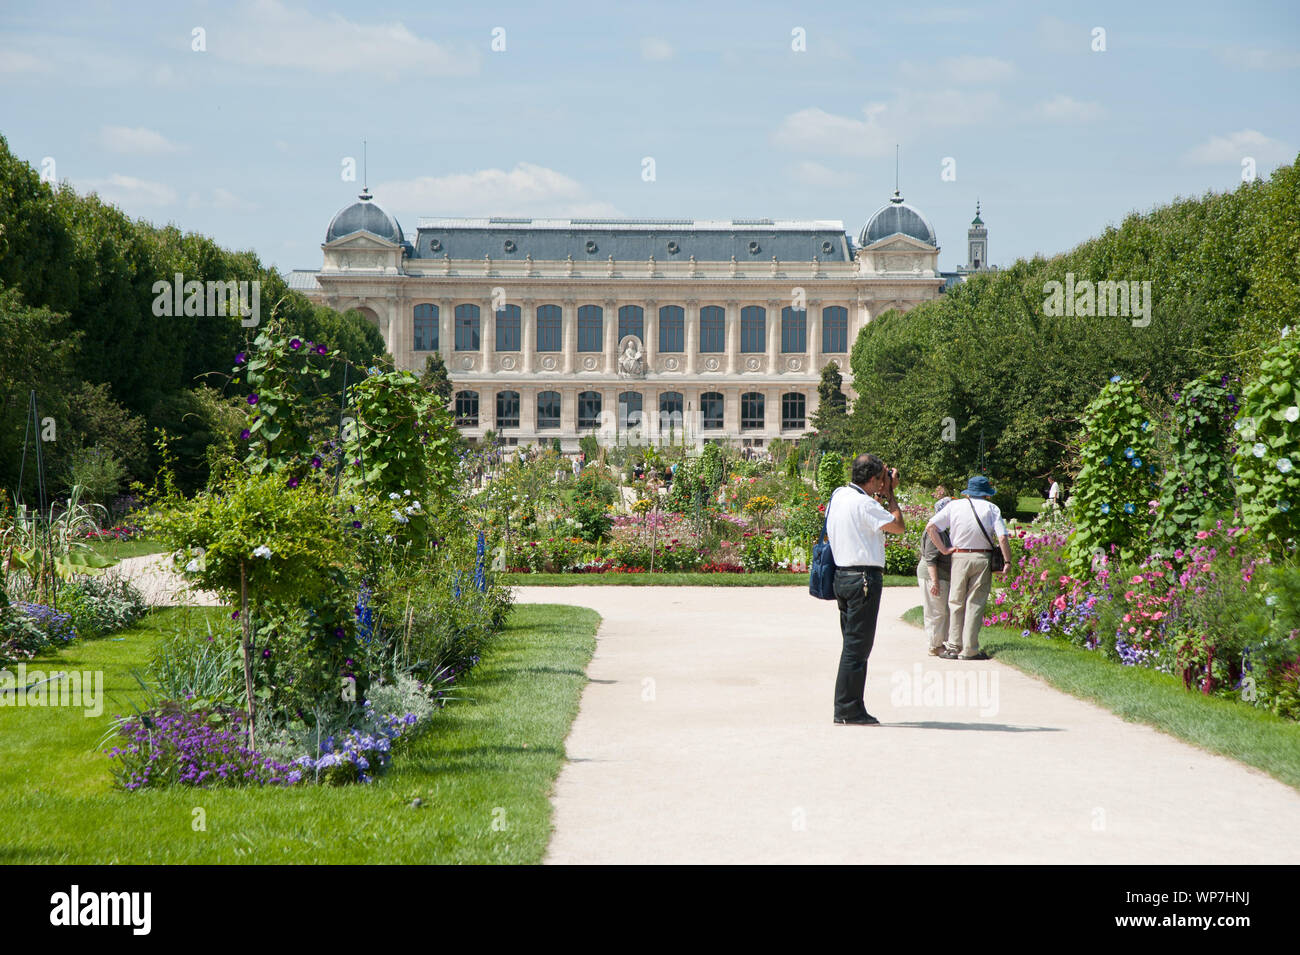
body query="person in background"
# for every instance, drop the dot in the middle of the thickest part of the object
(971, 549)
(1053, 492)
(856, 525)
(933, 573)
(940, 498)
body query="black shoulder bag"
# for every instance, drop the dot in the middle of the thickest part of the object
(997, 562)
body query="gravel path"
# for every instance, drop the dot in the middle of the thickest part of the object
(161, 586)
(705, 735)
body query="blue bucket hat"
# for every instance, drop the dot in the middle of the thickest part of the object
(979, 486)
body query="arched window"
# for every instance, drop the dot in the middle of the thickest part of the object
(672, 328)
(548, 410)
(425, 337)
(631, 321)
(589, 409)
(508, 328)
(835, 329)
(467, 409)
(794, 329)
(591, 328)
(713, 329)
(671, 414)
(507, 409)
(753, 328)
(467, 328)
(792, 410)
(711, 412)
(751, 410)
(629, 410)
(550, 336)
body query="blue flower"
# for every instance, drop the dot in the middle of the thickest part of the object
(1128, 452)
(1105, 508)
(1115, 379)
(1137, 462)
(1106, 460)
(1128, 508)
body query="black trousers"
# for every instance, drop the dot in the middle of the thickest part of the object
(858, 595)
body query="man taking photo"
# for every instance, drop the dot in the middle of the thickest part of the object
(856, 525)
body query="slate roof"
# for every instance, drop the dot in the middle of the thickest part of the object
(364, 216)
(631, 240)
(894, 218)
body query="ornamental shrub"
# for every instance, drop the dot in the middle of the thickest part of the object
(831, 474)
(1267, 461)
(1117, 477)
(1197, 481)
(100, 605)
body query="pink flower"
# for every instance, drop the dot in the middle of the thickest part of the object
(1137, 579)
(1201, 535)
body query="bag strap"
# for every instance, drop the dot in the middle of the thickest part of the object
(827, 517)
(980, 524)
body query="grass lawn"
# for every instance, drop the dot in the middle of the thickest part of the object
(119, 549)
(483, 772)
(676, 580)
(1139, 695)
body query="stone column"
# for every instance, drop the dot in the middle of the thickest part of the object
(692, 336)
(569, 326)
(773, 328)
(732, 325)
(528, 338)
(650, 329)
(611, 345)
(397, 338)
(731, 412)
(487, 340)
(814, 342)
(446, 330)
(772, 413)
(568, 412)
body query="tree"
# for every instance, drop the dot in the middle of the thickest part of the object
(435, 378)
(831, 417)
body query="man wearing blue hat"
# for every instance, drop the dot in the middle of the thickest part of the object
(973, 526)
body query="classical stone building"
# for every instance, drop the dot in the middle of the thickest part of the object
(634, 329)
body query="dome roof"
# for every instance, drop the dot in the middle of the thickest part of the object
(895, 218)
(364, 216)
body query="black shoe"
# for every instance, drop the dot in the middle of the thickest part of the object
(979, 656)
(866, 719)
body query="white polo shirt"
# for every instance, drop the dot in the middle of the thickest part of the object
(853, 522)
(959, 521)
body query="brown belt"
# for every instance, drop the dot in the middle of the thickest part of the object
(971, 550)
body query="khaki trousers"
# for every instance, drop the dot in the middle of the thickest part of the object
(968, 592)
(935, 609)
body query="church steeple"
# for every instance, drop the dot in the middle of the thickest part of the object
(977, 243)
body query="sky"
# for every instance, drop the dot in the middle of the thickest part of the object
(237, 120)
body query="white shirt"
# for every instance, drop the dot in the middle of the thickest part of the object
(1053, 491)
(959, 521)
(853, 522)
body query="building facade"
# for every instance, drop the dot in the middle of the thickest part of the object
(639, 330)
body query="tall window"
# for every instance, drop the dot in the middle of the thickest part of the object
(549, 329)
(591, 328)
(751, 410)
(629, 410)
(753, 328)
(713, 329)
(711, 410)
(672, 328)
(589, 410)
(631, 321)
(426, 328)
(507, 409)
(794, 329)
(466, 328)
(508, 328)
(792, 410)
(835, 329)
(548, 410)
(467, 409)
(670, 411)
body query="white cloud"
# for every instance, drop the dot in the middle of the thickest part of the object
(959, 70)
(17, 61)
(136, 141)
(270, 33)
(906, 116)
(1258, 59)
(811, 173)
(653, 48)
(1234, 147)
(1064, 109)
(525, 190)
(130, 193)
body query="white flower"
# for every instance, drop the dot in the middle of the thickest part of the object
(413, 507)
(400, 517)
(388, 538)
(1292, 413)
(394, 496)
(1270, 599)
(263, 551)
(407, 492)
(1284, 465)
(193, 566)
(1259, 449)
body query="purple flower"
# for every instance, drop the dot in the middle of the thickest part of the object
(321, 349)
(245, 435)
(235, 615)
(266, 653)
(239, 359)
(252, 399)
(293, 482)
(316, 461)
(295, 344)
